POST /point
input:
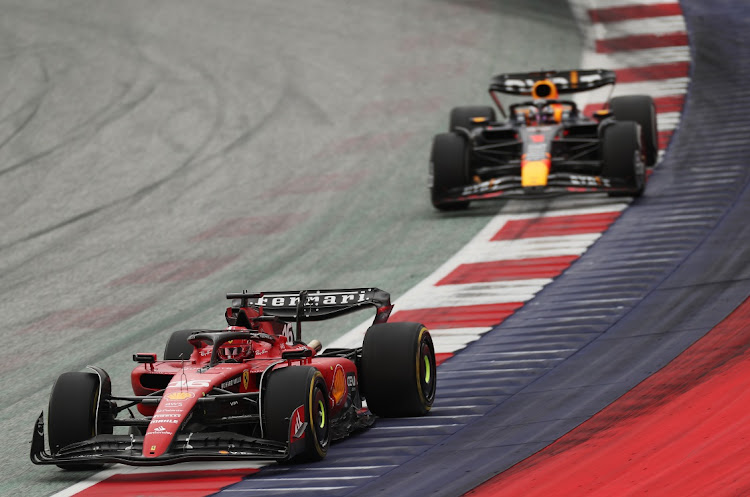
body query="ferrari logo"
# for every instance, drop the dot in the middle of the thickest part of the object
(245, 379)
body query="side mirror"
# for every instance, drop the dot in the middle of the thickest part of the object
(144, 358)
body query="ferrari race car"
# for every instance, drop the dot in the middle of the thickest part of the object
(545, 146)
(251, 391)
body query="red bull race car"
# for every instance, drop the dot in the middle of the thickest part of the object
(254, 390)
(544, 146)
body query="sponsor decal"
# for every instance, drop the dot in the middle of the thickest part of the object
(351, 380)
(536, 151)
(173, 404)
(522, 84)
(296, 422)
(160, 415)
(230, 383)
(484, 187)
(159, 430)
(589, 181)
(338, 385)
(170, 410)
(180, 395)
(245, 379)
(313, 299)
(190, 384)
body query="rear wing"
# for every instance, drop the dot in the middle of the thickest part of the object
(315, 305)
(572, 81)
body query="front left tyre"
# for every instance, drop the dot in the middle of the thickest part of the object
(295, 409)
(76, 413)
(448, 169)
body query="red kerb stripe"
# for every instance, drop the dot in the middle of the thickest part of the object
(508, 270)
(441, 357)
(641, 42)
(468, 316)
(555, 226)
(628, 12)
(654, 72)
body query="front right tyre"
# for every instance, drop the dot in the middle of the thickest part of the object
(470, 116)
(75, 414)
(295, 399)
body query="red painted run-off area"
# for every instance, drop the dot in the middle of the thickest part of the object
(166, 484)
(684, 431)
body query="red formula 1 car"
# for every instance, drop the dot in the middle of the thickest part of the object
(545, 146)
(251, 391)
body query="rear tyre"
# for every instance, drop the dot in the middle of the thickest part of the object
(464, 117)
(641, 109)
(73, 407)
(398, 369)
(178, 347)
(448, 168)
(287, 390)
(622, 155)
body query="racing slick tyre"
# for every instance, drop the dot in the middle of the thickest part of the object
(398, 369)
(73, 408)
(622, 156)
(464, 117)
(295, 397)
(641, 109)
(178, 347)
(448, 168)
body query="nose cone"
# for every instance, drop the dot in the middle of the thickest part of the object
(534, 173)
(166, 421)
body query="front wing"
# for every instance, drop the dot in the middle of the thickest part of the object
(128, 449)
(557, 184)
